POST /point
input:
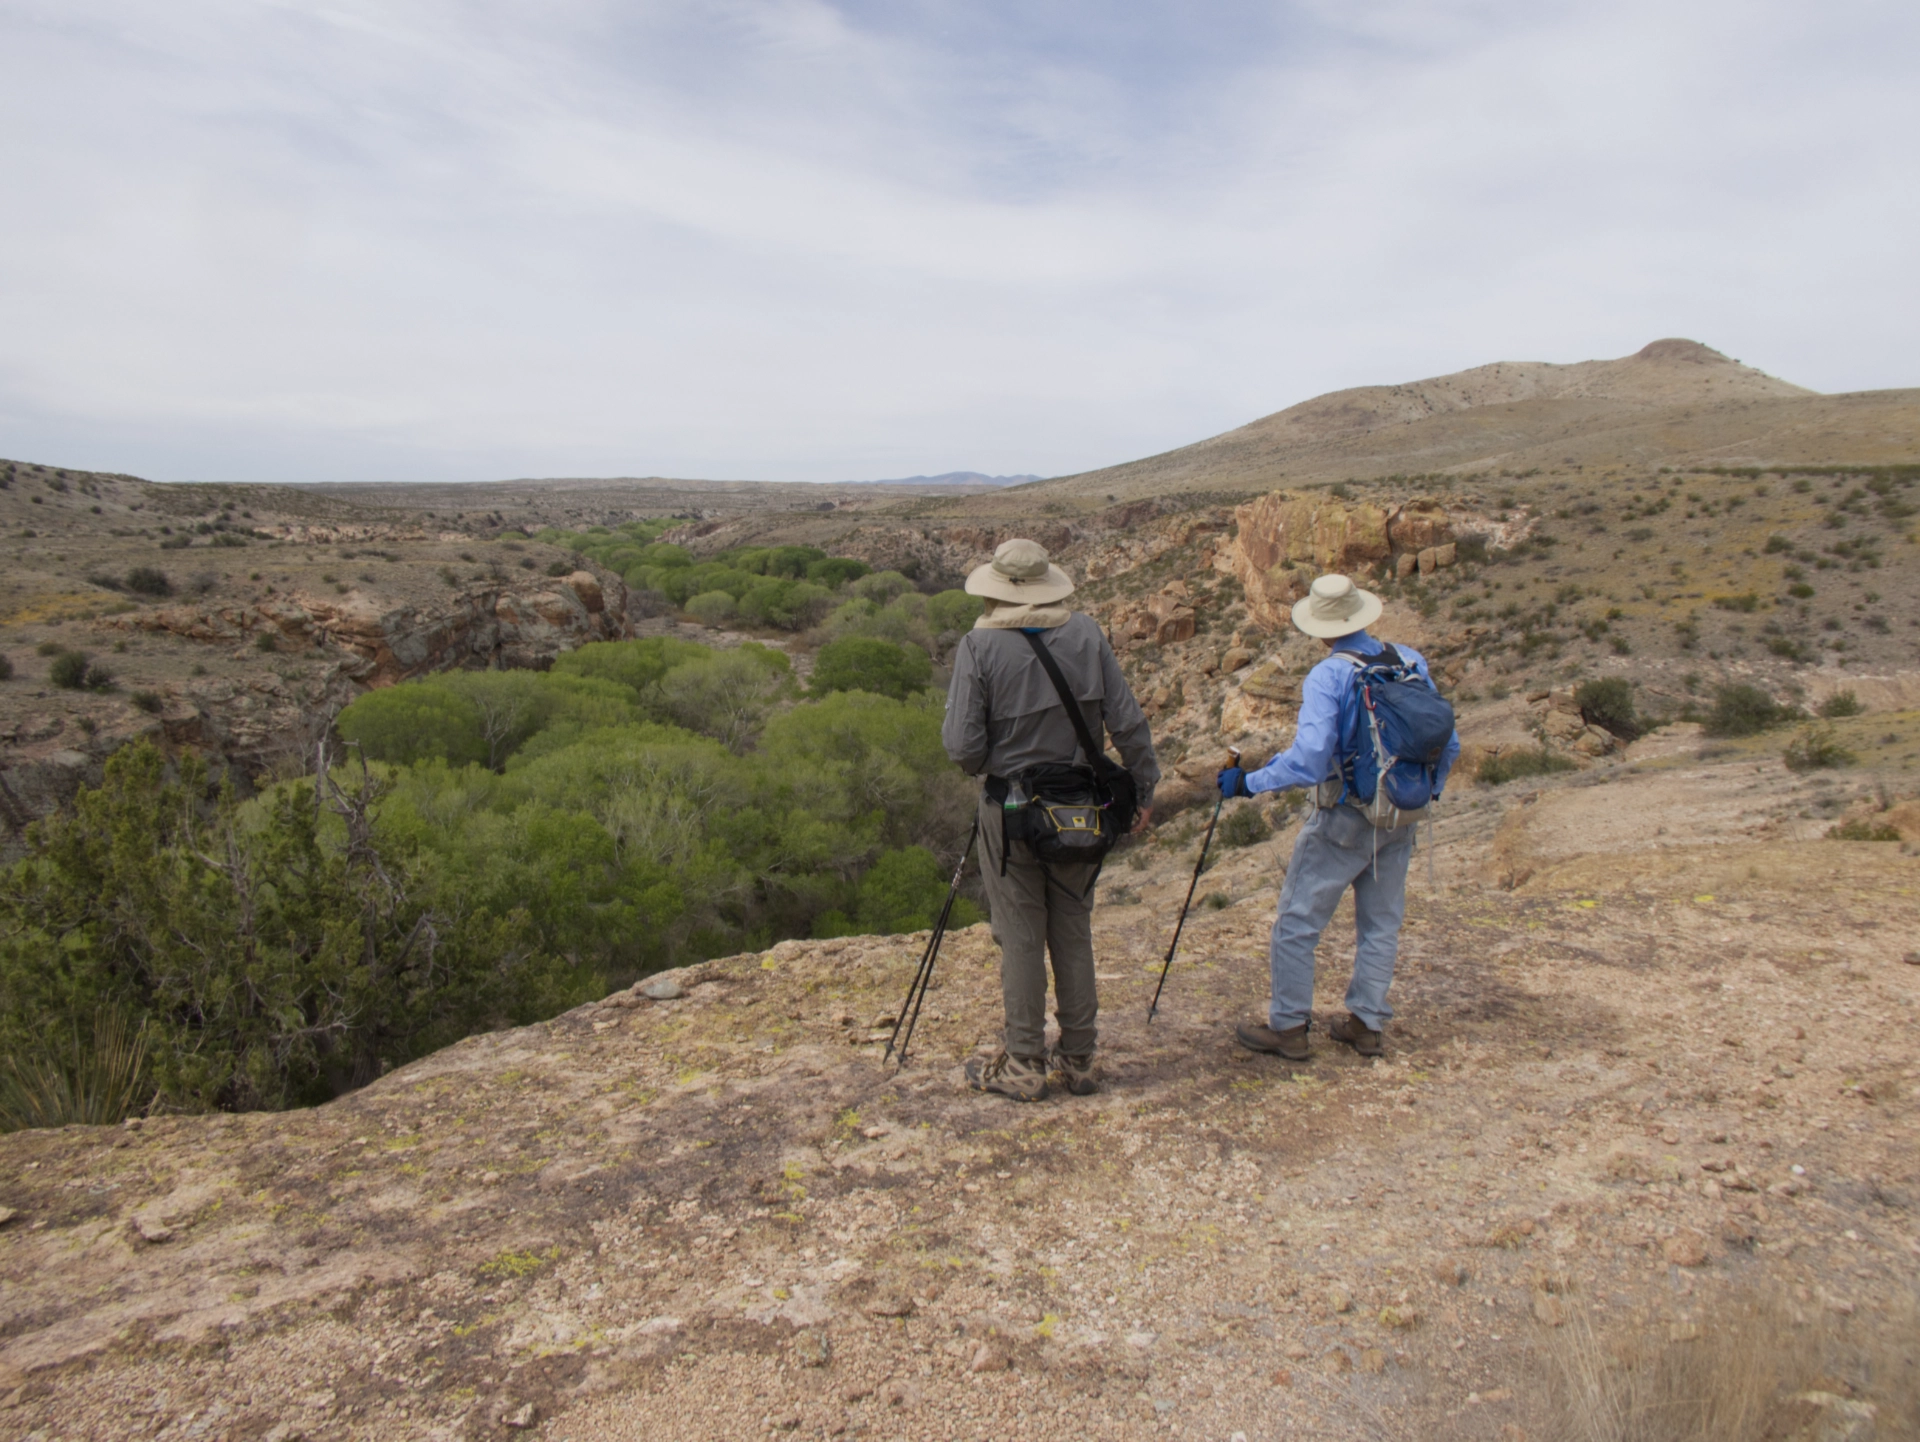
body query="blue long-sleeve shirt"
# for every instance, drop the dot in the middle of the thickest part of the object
(1329, 709)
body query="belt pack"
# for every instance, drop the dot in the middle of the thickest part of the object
(1058, 811)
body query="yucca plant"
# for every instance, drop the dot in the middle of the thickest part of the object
(68, 1081)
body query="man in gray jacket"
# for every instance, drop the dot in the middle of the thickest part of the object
(1003, 716)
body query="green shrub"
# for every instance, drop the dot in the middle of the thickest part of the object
(1800, 591)
(1814, 748)
(50, 648)
(1860, 828)
(561, 568)
(712, 608)
(726, 696)
(787, 604)
(1608, 703)
(954, 611)
(1841, 703)
(6, 668)
(882, 587)
(1742, 710)
(791, 562)
(309, 957)
(148, 701)
(902, 891)
(1244, 826)
(836, 571)
(1746, 601)
(266, 641)
(861, 663)
(149, 581)
(1777, 543)
(1513, 765)
(73, 671)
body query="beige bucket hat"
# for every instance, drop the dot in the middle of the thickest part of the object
(1020, 572)
(1334, 607)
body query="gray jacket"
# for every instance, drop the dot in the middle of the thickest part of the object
(1003, 714)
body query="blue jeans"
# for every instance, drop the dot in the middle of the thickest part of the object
(1336, 850)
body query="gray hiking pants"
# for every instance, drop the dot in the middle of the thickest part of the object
(1035, 910)
(1336, 850)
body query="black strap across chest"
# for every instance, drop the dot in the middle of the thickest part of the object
(1052, 668)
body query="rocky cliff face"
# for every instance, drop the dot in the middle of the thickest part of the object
(274, 671)
(1286, 539)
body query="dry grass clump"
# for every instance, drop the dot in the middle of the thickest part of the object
(1762, 1370)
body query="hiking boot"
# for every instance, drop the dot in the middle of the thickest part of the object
(1258, 1036)
(1358, 1035)
(1020, 1077)
(1075, 1073)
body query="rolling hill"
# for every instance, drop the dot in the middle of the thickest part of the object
(1674, 402)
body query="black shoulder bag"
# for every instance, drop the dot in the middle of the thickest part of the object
(1076, 813)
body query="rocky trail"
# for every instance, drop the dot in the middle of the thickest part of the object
(1654, 1077)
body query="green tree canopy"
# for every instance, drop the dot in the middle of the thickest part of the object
(862, 663)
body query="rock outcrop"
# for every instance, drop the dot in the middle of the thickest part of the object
(521, 625)
(1285, 539)
(1165, 617)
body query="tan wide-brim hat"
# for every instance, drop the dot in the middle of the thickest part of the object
(1020, 572)
(1334, 607)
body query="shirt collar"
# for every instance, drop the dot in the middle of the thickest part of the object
(1360, 643)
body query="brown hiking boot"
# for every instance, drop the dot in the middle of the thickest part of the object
(1020, 1077)
(1258, 1036)
(1075, 1073)
(1358, 1035)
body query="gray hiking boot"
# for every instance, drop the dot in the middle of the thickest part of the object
(1075, 1073)
(1023, 1078)
(1258, 1036)
(1358, 1035)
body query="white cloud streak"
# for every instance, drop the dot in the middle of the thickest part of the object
(286, 241)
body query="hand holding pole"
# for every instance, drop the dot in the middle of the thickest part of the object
(1198, 866)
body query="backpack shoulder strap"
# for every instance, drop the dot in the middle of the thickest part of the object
(1052, 668)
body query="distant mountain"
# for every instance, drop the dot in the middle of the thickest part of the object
(952, 478)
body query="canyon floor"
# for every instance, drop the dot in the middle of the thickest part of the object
(1653, 1066)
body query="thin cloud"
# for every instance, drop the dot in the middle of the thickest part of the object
(803, 241)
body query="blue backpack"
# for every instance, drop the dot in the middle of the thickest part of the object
(1390, 761)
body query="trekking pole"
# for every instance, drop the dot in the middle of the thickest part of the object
(1198, 867)
(917, 988)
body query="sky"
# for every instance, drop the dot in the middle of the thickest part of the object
(271, 240)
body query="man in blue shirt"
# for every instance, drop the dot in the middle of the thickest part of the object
(1339, 846)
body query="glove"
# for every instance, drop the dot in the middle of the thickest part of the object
(1233, 782)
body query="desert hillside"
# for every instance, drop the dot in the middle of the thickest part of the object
(1674, 403)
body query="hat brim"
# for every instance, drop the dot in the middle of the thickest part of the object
(1330, 628)
(1056, 585)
